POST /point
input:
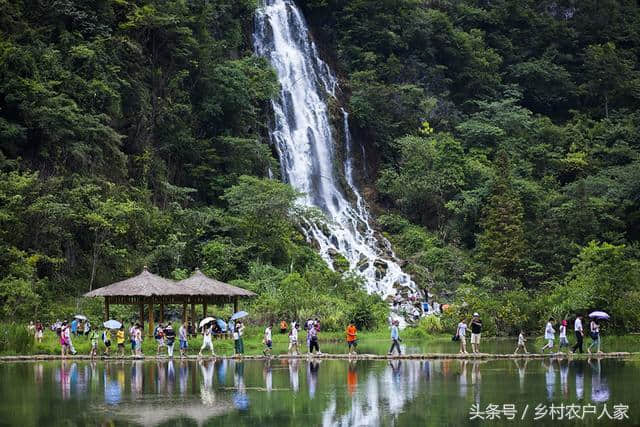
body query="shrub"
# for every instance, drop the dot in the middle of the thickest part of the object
(16, 339)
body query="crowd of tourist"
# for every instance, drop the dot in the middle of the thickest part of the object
(165, 336)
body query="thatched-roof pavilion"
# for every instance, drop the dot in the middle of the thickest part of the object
(148, 288)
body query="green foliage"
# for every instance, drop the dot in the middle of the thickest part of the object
(16, 339)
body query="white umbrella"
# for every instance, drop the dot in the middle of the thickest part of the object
(206, 320)
(599, 315)
(80, 317)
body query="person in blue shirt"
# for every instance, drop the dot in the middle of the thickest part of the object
(395, 337)
(74, 326)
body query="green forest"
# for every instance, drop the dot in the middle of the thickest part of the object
(501, 140)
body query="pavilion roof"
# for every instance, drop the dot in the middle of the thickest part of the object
(200, 284)
(147, 284)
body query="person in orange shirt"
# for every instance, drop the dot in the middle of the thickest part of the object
(283, 327)
(352, 340)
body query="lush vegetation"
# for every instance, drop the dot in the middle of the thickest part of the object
(502, 143)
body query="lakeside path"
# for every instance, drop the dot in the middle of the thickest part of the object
(329, 356)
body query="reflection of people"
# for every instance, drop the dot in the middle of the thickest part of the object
(184, 377)
(352, 378)
(599, 387)
(462, 379)
(293, 374)
(550, 378)
(579, 365)
(522, 369)
(267, 374)
(476, 380)
(240, 398)
(564, 378)
(312, 376)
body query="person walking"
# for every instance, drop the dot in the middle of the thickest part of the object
(120, 341)
(352, 340)
(206, 340)
(183, 335)
(312, 337)
(106, 340)
(240, 342)
(158, 334)
(461, 334)
(170, 336)
(476, 330)
(93, 337)
(293, 339)
(74, 327)
(579, 331)
(268, 343)
(395, 338)
(564, 342)
(549, 335)
(70, 347)
(138, 339)
(594, 328)
(283, 326)
(39, 331)
(64, 340)
(521, 343)
(132, 338)
(87, 327)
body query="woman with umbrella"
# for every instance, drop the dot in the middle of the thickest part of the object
(205, 324)
(594, 329)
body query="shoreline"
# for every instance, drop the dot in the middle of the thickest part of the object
(327, 356)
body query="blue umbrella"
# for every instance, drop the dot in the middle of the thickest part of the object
(239, 315)
(222, 324)
(112, 324)
(599, 315)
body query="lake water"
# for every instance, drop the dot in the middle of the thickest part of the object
(330, 392)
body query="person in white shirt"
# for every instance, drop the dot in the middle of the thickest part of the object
(293, 339)
(268, 343)
(579, 331)
(549, 335)
(521, 345)
(461, 333)
(206, 341)
(563, 335)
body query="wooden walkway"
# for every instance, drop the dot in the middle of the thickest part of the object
(328, 356)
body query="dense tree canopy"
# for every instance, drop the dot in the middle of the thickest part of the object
(501, 140)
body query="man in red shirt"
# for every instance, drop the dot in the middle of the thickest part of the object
(352, 340)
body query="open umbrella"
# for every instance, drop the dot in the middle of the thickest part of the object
(222, 324)
(599, 315)
(80, 317)
(206, 320)
(112, 324)
(239, 315)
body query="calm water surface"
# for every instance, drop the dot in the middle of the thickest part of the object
(293, 393)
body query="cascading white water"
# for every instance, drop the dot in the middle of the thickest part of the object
(301, 133)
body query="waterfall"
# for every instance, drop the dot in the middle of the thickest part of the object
(302, 135)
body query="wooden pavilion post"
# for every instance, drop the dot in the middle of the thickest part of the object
(106, 308)
(141, 306)
(193, 314)
(151, 326)
(184, 312)
(162, 310)
(235, 304)
(204, 309)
